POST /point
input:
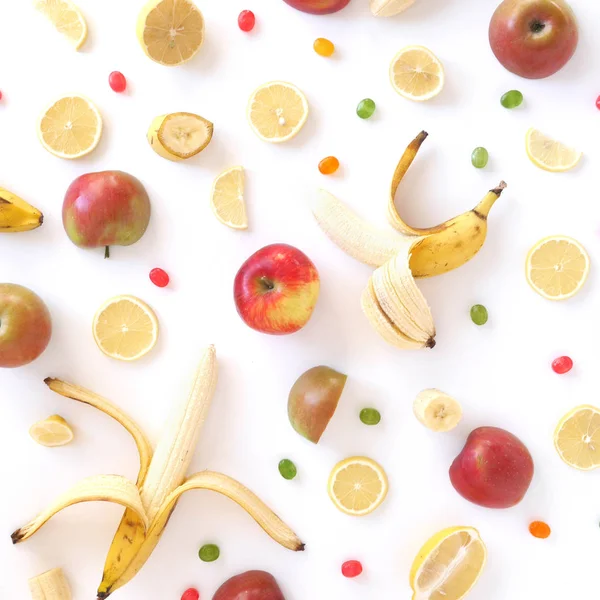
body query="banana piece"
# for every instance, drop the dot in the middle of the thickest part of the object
(436, 410)
(17, 215)
(395, 306)
(51, 585)
(178, 136)
(451, 244)
(79, 394)
(360, 240)
(105, 488)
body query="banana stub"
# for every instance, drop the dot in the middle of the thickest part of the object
(51, 585)
(178, 136)
(436, 410)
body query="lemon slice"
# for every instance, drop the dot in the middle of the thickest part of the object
(357, 485)
(389, 8)
(181, 135)
(53, 431)
(416, 73)
(125, 328)
(577, 438)
(227, 198)
(548, 154)
(557, 267)
(170, 31)
(448, 565)
(71, 127)
(67, 19)
(277, 111)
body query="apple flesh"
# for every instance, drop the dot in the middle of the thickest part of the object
(276, 289)
(313, 399)
(494, 469)
(533, 38)
(318, 7)
(109, 208)
(25, 325)
(251, 585)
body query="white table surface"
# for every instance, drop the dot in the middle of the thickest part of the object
(500, 373)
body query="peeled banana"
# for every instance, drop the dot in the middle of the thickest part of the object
(51, 585)
(17, 215)
(436, 410)
(161, 482)
(391, 300)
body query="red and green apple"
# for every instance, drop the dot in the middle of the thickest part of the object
(251, 585)
(533, 38)
(318, 7)
(25, 325)
(276, 289)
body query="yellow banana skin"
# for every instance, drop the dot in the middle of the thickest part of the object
(16, 215)
(453, 243)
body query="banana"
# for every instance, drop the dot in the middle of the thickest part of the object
(17, 215)
(395, 306)
(106, 488)
(436, 250)
(51, 585)
(436, 410)
(161, 482)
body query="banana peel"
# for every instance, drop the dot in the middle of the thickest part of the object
(16, 215)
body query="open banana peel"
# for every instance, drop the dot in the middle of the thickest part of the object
(161, 481)
(392, 301)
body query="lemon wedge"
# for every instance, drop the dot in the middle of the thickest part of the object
(125, 328)
(416, 73)
(548, 154)
(277, 111)
(358, 485)
(51, 432)
(71, 127)
(66, 18)
(227, 198)
(577, 438)
(170, 31)
(557, 267)
(180, 135)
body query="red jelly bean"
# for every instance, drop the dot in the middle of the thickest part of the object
(246, 20)
(191, 594)
(159, 277)
(117, 81)
(598, 102)
(562, 365)
(351, 568)
(0, 95)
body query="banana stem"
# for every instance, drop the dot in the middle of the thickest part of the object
(484, 207)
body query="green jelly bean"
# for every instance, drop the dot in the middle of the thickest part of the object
(479, 314)
(479, 158)
(209, 553)
(287, 469)
(370, 416)
(512, 99)
(365, 108)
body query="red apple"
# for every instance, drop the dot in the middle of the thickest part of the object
(25, 325)
(251, 585)
(494, 469)
(276, 289)
(318, 7)
(533, 38)
(105, 209)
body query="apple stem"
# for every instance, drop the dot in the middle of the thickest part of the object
(106, 252)
(267, 283)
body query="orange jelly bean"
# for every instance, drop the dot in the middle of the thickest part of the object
(329, 165)
(539, 529)
(324, 47)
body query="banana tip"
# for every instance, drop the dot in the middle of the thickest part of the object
(16, 536)
(430, 343)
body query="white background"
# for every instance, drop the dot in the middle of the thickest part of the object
(500, 373)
